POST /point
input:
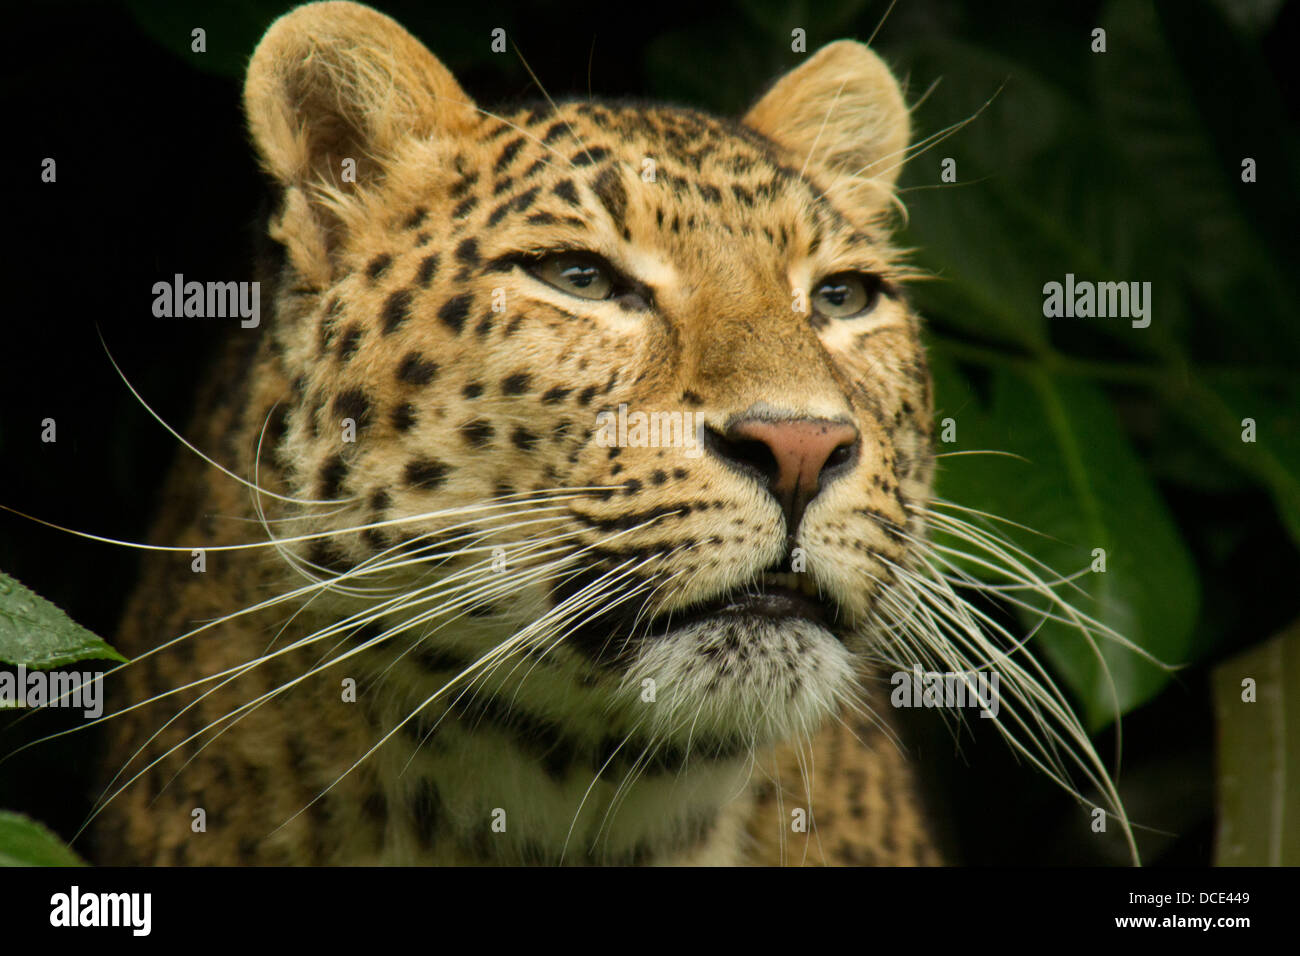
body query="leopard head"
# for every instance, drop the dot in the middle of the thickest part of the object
(629, 395)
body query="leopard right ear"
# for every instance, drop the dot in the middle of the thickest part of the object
(335, 89)
(842, 113)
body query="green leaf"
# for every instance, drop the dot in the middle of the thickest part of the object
(1258, 753)
(35, 633)
(1033, 201)
(1084, 488)
(1236, 100)
(1184, 146)
(1273, 458)
(24, 842)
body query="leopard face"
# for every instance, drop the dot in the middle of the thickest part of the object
(469, 302)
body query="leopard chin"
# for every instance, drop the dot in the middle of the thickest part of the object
(739, 672)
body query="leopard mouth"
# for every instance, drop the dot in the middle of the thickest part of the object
(774, 598)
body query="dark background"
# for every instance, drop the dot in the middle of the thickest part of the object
(155, 176)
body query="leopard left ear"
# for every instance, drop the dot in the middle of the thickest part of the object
(334, 92)
(842, 113)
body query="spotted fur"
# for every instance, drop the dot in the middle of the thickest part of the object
(405, 310)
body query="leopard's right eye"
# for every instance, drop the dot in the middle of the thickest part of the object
(846, 295)
(576, 273)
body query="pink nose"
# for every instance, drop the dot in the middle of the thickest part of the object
(795, 457)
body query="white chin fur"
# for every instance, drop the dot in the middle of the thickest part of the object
(761, 678)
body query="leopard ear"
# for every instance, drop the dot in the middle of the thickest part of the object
(842, 114)
(335, 89)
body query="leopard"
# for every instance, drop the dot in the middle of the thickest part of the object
(413, 599)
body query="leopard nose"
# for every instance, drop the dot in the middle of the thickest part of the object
(794, 458)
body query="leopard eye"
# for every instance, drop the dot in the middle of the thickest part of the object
(846, 295)
(577, 274)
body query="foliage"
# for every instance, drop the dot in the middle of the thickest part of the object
(24, 842)
(36, 634)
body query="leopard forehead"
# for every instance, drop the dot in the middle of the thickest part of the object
(646, 186)
(706, 212)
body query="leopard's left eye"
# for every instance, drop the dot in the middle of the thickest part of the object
(846, 295)
(576, 273)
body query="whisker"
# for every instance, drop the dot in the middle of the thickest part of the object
(567, 125)
(180, 438)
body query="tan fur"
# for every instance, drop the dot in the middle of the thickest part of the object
(735, 219)
(843, 112)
